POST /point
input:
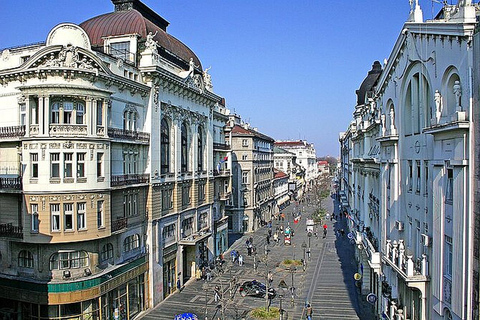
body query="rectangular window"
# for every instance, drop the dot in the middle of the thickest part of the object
(167, 202)
(68, 216)
(134, 204)
(68, 165)
(99, 164)
(100, 215)
(55, 165)
(244, 177)
(80, 112)
(34, 212)
(126, 206)
(67, 112)
(34, 161)
(448, 262)
(80, 165)
(418, 182)
(201, 192)
(410, 176)
(425, 178)
(245, 143)
(23, 114)
(81, 216)
(99, 113)
(55, 214)
(120, 50)
(449, 186)
(185, 195)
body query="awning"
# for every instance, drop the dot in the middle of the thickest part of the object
(193, 239)
(282, 200)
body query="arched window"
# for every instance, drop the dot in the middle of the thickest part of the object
(131, 243)
(450, 99)
(184, 148)
(107, 252)
(164, 147)
(200, 149)
(69, 260)
(25, 259)
(418, 109)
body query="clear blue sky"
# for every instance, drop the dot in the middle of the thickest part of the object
(288, 67)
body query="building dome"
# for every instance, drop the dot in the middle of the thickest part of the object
(369, 82)
(134, 17)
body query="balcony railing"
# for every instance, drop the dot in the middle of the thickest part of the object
(405, 265)
(115, 133)
(220, 146)
(218, 173)
(119, 224)
(11, 231)
(11, 183)
(129, 179)
(12, 132)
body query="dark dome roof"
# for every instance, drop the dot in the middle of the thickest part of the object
(133, 21)
(369, 82)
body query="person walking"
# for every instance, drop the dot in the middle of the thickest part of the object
(325, 230)
(216, 293)
(309, 312)
(240, 260)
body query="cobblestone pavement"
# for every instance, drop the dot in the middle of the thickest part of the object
(327, 282)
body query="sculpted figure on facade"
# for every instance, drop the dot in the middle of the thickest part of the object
(151, 44)
(438, 106)
(457, 91)
(207, 79)
(68, 57)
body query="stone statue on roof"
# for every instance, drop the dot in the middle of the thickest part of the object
(207, 79)
(150, 43)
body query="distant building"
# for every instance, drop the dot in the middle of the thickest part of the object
(252, 176)
(286, 162)
(280, 192)
(323, 167)
(305, 157)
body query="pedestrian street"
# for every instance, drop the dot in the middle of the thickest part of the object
(327, 282)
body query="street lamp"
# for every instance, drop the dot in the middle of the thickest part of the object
(304, 246)
(292, 288)
(309, 247)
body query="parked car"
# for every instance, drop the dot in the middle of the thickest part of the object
(255, 288)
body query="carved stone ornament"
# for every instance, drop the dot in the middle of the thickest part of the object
(5, 55)
(68, 57)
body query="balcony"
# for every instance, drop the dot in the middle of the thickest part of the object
(129, 179)
(68, 130)
(221, 146)
(413, 272)
(10, 183)
(370, 245)
(119, 224)
(221, 173)
(14, 132)
(10, 231)
(129, 135)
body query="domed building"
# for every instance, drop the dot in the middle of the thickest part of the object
(106, 158)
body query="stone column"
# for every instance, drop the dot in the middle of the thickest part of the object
(46, 115)
(27, 116)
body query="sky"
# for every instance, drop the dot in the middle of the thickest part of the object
(289, 68)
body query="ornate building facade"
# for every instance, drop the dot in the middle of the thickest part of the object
(409, 182)
(108, 144)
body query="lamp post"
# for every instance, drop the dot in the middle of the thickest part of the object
(292, 288)
(304, 247)
(309, 237)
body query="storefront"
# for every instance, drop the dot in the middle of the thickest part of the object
(221, 236)
(169, 269)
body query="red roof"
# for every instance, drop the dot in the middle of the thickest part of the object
(323, 163)
(279, 174)
(133, 22)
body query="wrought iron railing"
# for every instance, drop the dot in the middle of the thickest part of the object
(129, 179)
(11, 183)
(119, 224)
(12, 132)
(11, 231)
(129, 135)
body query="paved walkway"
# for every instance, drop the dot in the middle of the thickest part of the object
(327, 283)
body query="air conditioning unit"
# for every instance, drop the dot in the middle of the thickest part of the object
(426, 240)
(399, 225)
